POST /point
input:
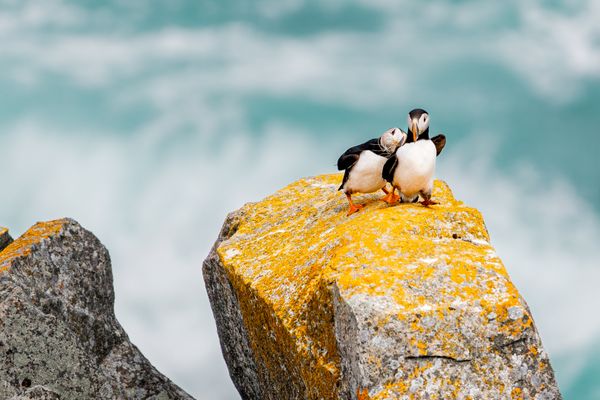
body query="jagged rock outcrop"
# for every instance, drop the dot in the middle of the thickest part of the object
(402, 302)
(59, 338)
(5, 238)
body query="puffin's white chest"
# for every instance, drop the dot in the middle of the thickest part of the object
(365, 175)
(416, 167)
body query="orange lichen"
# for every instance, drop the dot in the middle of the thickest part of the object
(362, 394)
(23, 245)
(533, 350)
(290, 249)
(516, 394)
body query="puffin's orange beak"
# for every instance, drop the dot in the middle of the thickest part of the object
(414, 128)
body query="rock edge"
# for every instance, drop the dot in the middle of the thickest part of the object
(58, 333)
(394, 302)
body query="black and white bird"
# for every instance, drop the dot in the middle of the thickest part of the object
(363, 165)
(412, 167)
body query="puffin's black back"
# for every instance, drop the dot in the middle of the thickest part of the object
(351, 156)
(389, 168)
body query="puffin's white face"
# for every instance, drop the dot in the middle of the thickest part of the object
(418, 126)
(393, 138)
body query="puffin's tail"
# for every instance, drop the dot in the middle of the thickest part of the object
(346, 175)
(343, 181)
(439, 141)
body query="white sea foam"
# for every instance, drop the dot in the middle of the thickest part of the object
(553, 50)
(159, 220)
(157, 198)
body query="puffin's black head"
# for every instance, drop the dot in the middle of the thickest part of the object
(418, 125)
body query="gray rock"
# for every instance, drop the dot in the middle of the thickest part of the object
(58, 333)
(233, 338)
(38, 393)
(5, 238)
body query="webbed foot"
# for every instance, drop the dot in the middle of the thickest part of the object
(354, 208)
(429, 202)
(391, 197)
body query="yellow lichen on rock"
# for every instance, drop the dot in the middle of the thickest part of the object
(5, 238)
(419, 282)
(22, 247)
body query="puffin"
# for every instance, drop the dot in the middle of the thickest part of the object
(363, 164)
(412, 166)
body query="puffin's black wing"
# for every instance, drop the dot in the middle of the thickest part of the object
(351, 156)
(346, 176)
(389, 168)
(347, 161)
(440, 142)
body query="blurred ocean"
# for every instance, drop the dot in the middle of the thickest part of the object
(148, 121)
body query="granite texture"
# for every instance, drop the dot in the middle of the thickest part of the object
(59, 337)
(394, 302)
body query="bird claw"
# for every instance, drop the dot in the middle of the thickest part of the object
(354, 208)
(391, 198)
(429, 202)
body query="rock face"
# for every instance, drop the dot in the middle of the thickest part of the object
(5, 238)
(401, 302)
(59, 338)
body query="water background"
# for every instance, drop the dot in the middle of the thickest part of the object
(147, 121)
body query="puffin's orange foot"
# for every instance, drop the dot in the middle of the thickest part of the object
(354, 208)
(429, 202)
(391, 198)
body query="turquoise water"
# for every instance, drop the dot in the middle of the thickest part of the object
(149, 121)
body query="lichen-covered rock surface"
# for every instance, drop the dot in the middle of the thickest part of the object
(401, 302)
(59, 338)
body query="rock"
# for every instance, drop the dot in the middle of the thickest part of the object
(38, 393)
(5, 238)
(393, 302)
(59, 337)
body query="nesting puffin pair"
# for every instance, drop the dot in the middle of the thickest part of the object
(407, 161)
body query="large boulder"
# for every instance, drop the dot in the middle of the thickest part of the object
(59, 338)
(402, 302)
